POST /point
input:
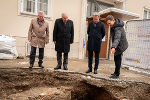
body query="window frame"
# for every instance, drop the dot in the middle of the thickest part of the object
(148, 15)
(22, 12)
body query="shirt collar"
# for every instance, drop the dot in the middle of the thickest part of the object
(40, 22)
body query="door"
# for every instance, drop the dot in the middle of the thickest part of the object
(105, 42)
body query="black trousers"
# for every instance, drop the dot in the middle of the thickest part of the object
(33, 54)
(118, 60)
(90, 59)
(59, 58)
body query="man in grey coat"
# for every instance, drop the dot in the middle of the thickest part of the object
(119, 42)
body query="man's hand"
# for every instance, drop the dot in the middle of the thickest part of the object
(46, 42)
(54, 42)
(113, 50)
(29, 40)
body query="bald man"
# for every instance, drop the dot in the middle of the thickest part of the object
(63, 36)
(38, 36)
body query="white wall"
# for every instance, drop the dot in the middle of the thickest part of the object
(16, 25)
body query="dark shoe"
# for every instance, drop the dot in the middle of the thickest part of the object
(65, 67)
(31, 65)
(95, 71)
(88, 71)
(57, 67)
(41, 66)
(114, 76)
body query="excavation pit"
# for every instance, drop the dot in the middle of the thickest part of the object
(47, 84)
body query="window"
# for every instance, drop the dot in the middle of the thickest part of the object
(149, 15)
(42, 5)
(96, 8)
(146, 14)
(29, 6)
(34, 6)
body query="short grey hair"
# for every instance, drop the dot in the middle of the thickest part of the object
(64, 14)
(41, 12)
(95, 14)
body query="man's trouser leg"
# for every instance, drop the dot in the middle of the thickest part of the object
(41, 56)
(90, 59)
(65, 62)
(117, 59)
(32, 55)
(59, 60)
(96, 60)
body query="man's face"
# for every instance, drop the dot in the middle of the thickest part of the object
(95, 19)
(41, 17)
(110, 22)
(64, 18)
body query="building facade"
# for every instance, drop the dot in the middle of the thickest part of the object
(17, 14)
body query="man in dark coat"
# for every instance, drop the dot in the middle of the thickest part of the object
(63, 36)
(96, 32)
(119, 42)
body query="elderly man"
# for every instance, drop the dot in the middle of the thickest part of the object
(119, 42)
(38, 36)
(96, 32)
(63, 36)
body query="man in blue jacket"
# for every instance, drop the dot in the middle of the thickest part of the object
(119, 42)
(96, 32)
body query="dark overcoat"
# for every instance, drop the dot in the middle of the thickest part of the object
(63, 34)
(96, 32)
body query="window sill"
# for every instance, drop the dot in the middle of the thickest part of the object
(27, 14)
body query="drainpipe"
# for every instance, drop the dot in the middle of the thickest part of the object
(83, 29)
(124, 5)
(108, 43)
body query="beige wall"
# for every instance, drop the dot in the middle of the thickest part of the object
(137, 6)
(16, 25)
